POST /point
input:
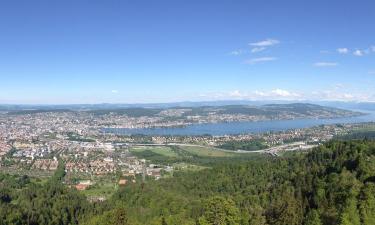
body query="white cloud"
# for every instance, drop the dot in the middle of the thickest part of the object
(332, 94)
(283, 93)
(338, 86)
(260, 60)
(371, 72)
(341, 93)
(260, 93)
(237, 52)
(265, 43)
(347, 96)
(343, 50)
(114, 91)
(358, 53)
(258, 49)
(325, 64)
(277, 93)
(237, 93)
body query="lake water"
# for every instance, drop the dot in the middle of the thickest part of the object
(241, 127)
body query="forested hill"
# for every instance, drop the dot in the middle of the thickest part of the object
(264, 112)
(333, 184)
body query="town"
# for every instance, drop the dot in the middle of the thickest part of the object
(36, 143)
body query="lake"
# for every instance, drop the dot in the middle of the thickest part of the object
(241, 127)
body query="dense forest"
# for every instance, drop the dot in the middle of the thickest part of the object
(366, 134)
(332, 184)
(244, 145)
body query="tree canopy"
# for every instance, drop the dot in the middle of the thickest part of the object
(333, 184)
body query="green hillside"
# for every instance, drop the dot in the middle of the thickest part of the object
(333, 184)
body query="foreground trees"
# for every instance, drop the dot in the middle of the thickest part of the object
(331, 185)
(219, 211)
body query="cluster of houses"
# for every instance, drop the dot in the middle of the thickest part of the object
(46, 164)
(4, 148)
(97, 167)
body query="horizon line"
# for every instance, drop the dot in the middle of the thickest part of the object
(187, 101)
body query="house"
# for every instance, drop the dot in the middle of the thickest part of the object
(122, 182)
(81, 187)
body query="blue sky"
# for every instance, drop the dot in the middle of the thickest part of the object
(163, 51)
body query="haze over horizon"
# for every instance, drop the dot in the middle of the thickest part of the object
(88, 52)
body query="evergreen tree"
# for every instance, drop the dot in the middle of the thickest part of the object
(313, 218)
(350, 214)
(220, 211)
(367, 204)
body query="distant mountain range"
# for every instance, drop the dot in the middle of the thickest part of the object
(197, 113)
(343, 105)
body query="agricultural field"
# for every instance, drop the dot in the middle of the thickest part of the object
(207, 151)
(164, 151)
(106, 190)
(366, 131)
(188, 167)
(178, 152)
(192, 155)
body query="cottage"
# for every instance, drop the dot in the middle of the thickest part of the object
(81, 187)
(122, 182)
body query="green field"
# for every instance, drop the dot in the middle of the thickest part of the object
(104, 186)
(188, 167)
(366, 131)
(102, 189)
(179, 151)
(161, 150)
(207, 151)
(193, 155)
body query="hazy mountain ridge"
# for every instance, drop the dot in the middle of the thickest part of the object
(206, 114)
(336, 104)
